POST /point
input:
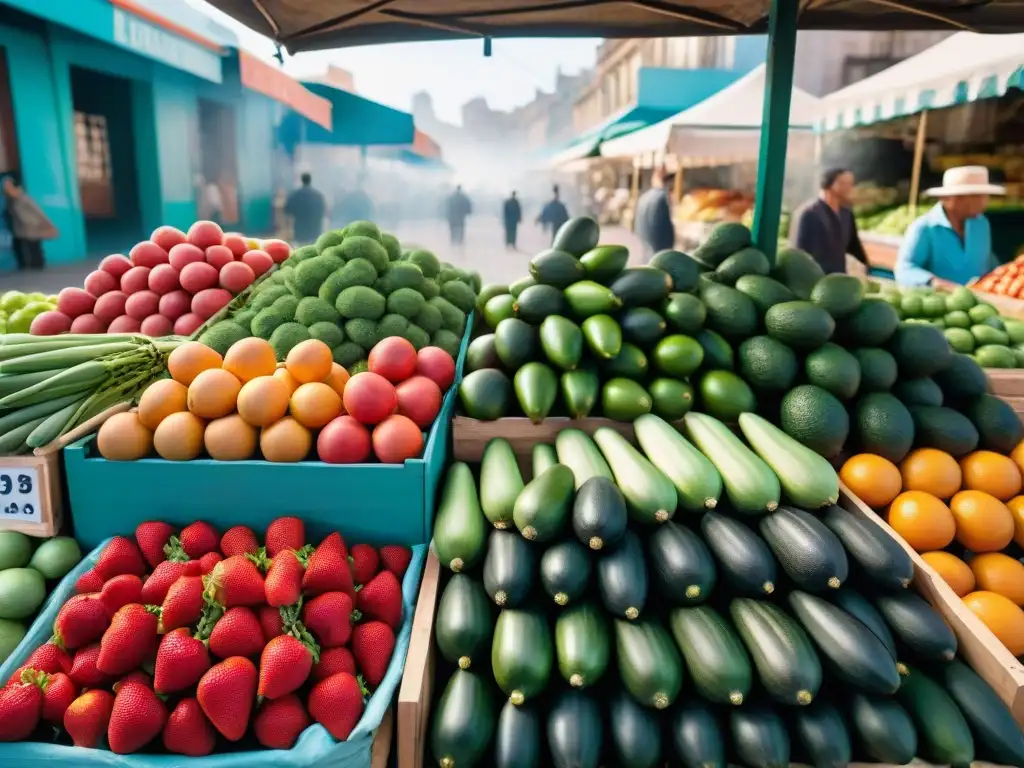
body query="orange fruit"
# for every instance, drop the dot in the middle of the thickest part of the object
(1016, 507)
(123, 437)
(337, 379)
(923, 521)
(1001, 616)
(309, 360)
(160, 400)
(953, 571)
(190, 359)
(983, 523)
(999, 573)
(249, 358)
(1017, 454)
(179, 437)
(230, 438)
(282, 374)
(314, 404)
(285, 441)
(213, 394)
(931, 471)
(263, 400)
(992, 473)
(874, 480)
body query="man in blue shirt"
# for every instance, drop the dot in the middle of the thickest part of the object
(952, 243)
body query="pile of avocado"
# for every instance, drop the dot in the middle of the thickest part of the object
(352, 288)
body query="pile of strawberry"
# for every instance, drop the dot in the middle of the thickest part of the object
(222, 634)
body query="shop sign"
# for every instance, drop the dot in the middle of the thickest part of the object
(154, 43)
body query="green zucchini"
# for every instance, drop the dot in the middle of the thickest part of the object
(599, 515)
(582, 644)
(786, 662)
(807, 550)
(500, 482)
(917, 625)
(508, 569)
(543, 458)
(863, 611)
(543, 508)
(715, 658)
(807, 479)
(858, 658)
(822, 737)
(521, 655)
(650, 496)
(460, 524)
(997, 737)
(636, 732)
(874, 552)
(622, 578)
(649, 663)
(697, 735)
(759, 737)
(464, 621)
(882, 728)
(577, 451)
(517, 739)
(575, 731)
(697, 482)
(746, 562)
(944, 735)
(684, 570)
(565, 571)
(750, 485)
(463, 721)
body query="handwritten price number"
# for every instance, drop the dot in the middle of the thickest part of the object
(21, 485)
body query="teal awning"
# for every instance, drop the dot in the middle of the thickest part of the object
(358, 122)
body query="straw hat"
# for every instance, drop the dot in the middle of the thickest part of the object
(966, 180)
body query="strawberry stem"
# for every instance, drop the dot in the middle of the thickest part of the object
(259, 559)
(304, 554)
(212, 612)
(174, 551)
(362, 687)
(355, 616)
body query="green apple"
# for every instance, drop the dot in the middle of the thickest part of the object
(36, 296)
(13, 300)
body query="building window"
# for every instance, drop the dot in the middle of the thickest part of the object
(95, 180)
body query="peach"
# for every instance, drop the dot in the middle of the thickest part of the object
(279, 250)
(185, 253)
(197, 277)
(236, 243)
(218, 256)
(205, 233)
(209, 302)
(135, 279)
(124, 324)
(141, 305)
(236, 276)
(168, 237)
(163, 279)
(116, 264)
(88, 324)
(156, 325)
(99, 282)
(258, 261)
(75, 301)
(175, 304)
(147, 254)
(110, 305)
(186, 324)
(50, 323)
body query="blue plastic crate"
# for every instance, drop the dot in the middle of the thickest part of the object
(373, 503)
(314, 749)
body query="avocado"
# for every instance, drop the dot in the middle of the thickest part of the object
(995, 356)
(797, 270)
(538, 302)
(998, 425)
(485, 394)
(920, 350)
(725, 395)
(603, 335)
(557, 268)
(884, 426)
(630, 363)
(962, 378)
(684, 271)
(839, 295)
(577, 236)
(768, 365)
(515, 343)
(764, 291)
(873, 323)
(486, 293)
(641, 286)
(604, 263)
(833, 369)
(718, 355)
(642, 326)
(923, 391)
(746, 261)
(562, 341)
(945, 429)
(672, 398)
(521, 285)
(984, 333)
(722, 242)
(982, 311)
(482, 353)
(684, 312)
(877, 369)
(958, 319)
(729, 312)
(624, 400)
(960, 339)
(960, 299)
(678, 356)
(587, 298)
(536, 388)
(815, 418)
(799, 324)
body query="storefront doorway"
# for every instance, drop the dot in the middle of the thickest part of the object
(217, 194)
(9, 162)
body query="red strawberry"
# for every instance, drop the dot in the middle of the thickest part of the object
(180, 661)
(88, 582)
(184, 603)
(87, 718)
(284, 580)
(337, 704)
(129, 641)
(285, 533)
(284, 666)
(136, 676)
(271, 622)
(121, 590)
(237, 633)
(120, 556)
(152, 537)
(382, 599)
(332, 661)
(58, 693)
(372, 646)
(49, 658)
(280, 722)
(236, 581)
(239, 540)
(327, 569)
(226, 693)
(199, 538)
(208, 561)
(83, 668)
(154, 590)
(365, 563)
(188, 732)
(329, 618)
(137, 717)
(21, 705)
(396, 559)
(82, 619)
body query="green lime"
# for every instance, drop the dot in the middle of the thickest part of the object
(55, 557)
(22, 591)
(11, 634)
(15, 550)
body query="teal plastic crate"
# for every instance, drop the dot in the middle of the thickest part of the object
(314, 749)
(373, 503)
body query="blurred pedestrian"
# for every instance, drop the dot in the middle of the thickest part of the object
(28, 224)
(306, 207)
(457, 209)
(825, 227)
(355, 205)
(512, 215)
(213, 201)
(653, 220)
(554, 214)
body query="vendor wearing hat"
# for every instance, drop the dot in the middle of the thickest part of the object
(952, 243)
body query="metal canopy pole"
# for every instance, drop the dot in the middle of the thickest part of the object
(771, 159)
(915, 174)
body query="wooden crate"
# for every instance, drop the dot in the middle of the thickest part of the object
(31, 494)
(1005, 382)
(380, 752)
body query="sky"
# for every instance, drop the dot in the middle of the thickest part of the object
(452, 72)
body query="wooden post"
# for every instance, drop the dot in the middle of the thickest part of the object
(677, 187)
(915, 174)
(634, 191)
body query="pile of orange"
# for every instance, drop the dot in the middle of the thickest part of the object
(231, 408)
(973, 506)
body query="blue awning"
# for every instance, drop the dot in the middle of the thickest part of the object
(358, 122)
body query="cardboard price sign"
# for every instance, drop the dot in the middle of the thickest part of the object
(19, 496)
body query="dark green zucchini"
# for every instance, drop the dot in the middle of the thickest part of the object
(500, 482)
(681, 564)
(759, 737)
(464, 621)
(460, 524)
(463, 721)
(871, 549)
(697, 735)
(565, 571)
(746, 562)
(575, 731)
(786, 662)
(943, 734)
(649, 663)
(508, 568)
(622, 578)
(715, 658)
(997, 737)
(857, 657)
(636, 732)
(883, 730)
(542, 509)
(522, 654)
(599, 515)
(517, 739)
(821, 736)
(917, 625)
(807, 550)
(582, 644)
(863, 611)
(543, 458)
